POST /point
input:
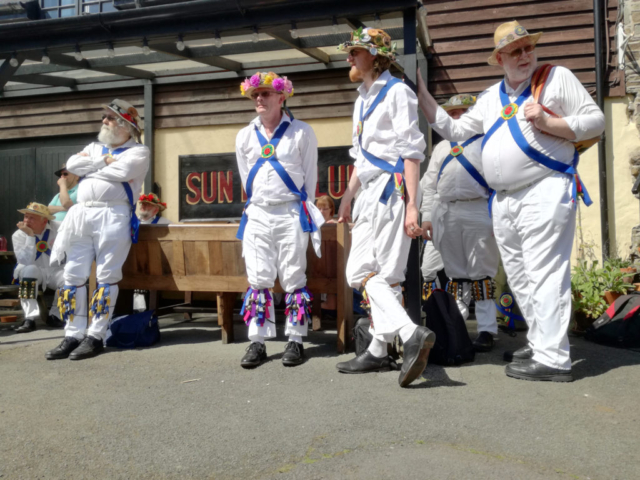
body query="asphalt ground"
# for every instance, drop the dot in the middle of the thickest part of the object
(186, 409)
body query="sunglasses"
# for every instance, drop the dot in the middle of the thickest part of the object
(517, 53)
(265, 94)
(111, 118)
(64, 174)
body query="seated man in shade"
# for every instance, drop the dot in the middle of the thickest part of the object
(149, 210)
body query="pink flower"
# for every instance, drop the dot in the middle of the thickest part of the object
(255, 80)
(246, 84)
(278, 84)
(288, 86)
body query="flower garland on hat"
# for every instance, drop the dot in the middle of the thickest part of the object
(376, 41)
(153, 199)
(267, 80)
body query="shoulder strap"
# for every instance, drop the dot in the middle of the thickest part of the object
(538, 82)
(381, 94)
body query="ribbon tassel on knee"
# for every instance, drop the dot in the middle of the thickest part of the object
(256, 305)
(298, 307)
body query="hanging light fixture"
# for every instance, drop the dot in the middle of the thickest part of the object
(45, 57)
(14, 60)
(294, 30)
(145, 46)
(254, 35)
(78, 53)
(334, 26)
(180, 43)
(218, 39)
(110, 50)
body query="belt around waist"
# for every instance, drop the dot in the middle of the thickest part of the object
(465, 200)
(96, 204)
(530, 184)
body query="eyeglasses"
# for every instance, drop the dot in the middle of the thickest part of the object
(111, 118)
(264, 94)
(517, 53)
(64, 174)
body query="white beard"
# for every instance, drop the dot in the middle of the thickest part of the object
(146, 214)
(113, 136)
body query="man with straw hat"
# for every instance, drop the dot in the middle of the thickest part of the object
(388, 148)
(456, 218)
(100, 226)
(278, 163)
(530, 161)
(150, 210)
(32, 244)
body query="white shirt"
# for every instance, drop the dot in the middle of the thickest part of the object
(455, 183)
(24, 246)
(297, 151)
(162, 221)
(391, 131)
(102, 182)
(506, 167)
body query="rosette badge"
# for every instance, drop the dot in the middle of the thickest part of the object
(376, 41)
(267, 81)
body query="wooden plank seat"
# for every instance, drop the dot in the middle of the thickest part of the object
(208, 258)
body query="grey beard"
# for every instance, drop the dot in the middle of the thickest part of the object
(146, 215)
(111, 137)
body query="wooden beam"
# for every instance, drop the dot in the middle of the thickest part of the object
(423, 34)
(190, 53)
(294, 43)
(7, 71)
(50, 80)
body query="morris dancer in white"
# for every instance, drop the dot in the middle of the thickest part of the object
(32, 246)
(388, 148)
(455, 216)
(529, 159)
(150, 210)
(100, 226)
(278, 163)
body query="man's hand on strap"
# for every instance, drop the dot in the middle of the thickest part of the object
(411, 227)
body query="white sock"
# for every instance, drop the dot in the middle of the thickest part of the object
(406, 331)
(377, 348)
(295, 338)
(257, 338)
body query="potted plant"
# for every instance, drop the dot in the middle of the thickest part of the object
(626, 266)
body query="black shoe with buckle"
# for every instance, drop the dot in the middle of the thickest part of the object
(416, 355)
(293, 354)
(256, 354)
(537, 372)
(366, 362)
(521, 355)
(68, 345)
(29, 325)
(89, 347)
(54, 322)
(484, 342)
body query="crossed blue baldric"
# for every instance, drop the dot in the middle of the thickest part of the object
(45, 238)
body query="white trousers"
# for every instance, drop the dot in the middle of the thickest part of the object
(274, 245)
(107, 239)
(46, 278)
(379, 245)
(463, 233)
(431, 262)
(534, 228)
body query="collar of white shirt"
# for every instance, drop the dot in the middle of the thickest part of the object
(128, 144)
(380, 82)
(516, 92)
(258, 122)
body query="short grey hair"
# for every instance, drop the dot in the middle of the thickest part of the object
(133, 133)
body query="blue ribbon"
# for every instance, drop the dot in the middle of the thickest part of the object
(156, 220)
(45, 238)
(513, 317)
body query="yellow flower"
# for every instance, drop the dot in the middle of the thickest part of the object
(268, 80)
(292, 92)
(242, 88)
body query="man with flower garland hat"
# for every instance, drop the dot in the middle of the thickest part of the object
(456, 218)
(100, 226)
(150, 209)
(278, 163)
(388, 148)
(530, 159)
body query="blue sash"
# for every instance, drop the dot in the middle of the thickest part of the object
(135, 222)
(378, 162)
(508, 114)
(269, 155)
(45, 239)
(473, 171)
(156, 219)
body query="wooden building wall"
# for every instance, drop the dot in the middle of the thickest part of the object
(462, 35)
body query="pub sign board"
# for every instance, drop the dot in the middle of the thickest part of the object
(210, 186)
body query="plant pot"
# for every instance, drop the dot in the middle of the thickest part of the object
(636, 287)
(631, 271)
(611, 297)
(581, 322)
(9, 319)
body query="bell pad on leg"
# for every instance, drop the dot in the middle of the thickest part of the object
(484, 289)
(256, 305)
(28, 289)
(100, 300)
(298, 307)
(67, 302)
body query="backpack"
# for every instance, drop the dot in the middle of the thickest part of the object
(619, 326)
(133, 331)
(453, 345)
(361, 335)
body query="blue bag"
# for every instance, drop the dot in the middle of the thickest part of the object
(133, 331)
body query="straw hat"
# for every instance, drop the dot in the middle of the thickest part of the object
(125, 111)
(267, 80)
(508, 33)
(375, 40)
(461, 101)
(153, 199)
(38, 209)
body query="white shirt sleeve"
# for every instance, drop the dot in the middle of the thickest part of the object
(24, 248)
(353, 151)
(404, 116)
(82, 165)
(241, 159)
(429, 181)
(131, 164)
(309, 154)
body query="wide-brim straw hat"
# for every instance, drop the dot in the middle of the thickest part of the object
(153, 199)
(267, 81)
(125, 111)
(38, 209)
(461, 101)
(508, 33)
(375, 40)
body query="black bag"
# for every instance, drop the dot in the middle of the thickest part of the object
(619, 326)
(361, 336)
(453, 345)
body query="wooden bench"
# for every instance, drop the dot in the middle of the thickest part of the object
(208, 258)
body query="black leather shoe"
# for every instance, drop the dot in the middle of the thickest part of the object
(89, 347)
(68, 345)
(28, 326)
(256, 354)
(484, 342)
(537, 372)
(293, 354)
(365, 363)
(54, 322)
(521, 355)
(416, 355)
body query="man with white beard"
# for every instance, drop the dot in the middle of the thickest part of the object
(149, 210)
(100, 226)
